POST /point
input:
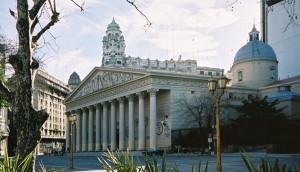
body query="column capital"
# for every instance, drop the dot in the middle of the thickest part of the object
(84, 109)
(97, 106)
(112, 102)
(130, 97)
(78, 111)
(141, 94)
(104, 103)
(153, 91)
(121, 99)
(91, 107)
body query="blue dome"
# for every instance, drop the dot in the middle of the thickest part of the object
(284, 93)
(255, 50)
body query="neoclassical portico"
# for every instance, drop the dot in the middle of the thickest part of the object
(124, 108)
(90, 136)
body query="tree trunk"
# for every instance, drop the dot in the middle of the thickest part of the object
(28, 121)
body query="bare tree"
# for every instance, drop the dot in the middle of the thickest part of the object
(288, 5)
(196, 110)
(28, 121)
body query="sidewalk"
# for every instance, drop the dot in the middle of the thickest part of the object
(133, 153)
(98, 154)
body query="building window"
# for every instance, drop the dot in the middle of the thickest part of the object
(209, 73)
(240, 75)
(272, 71)
(218, 74)
(201, 72)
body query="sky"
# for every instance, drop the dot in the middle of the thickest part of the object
(208, 31)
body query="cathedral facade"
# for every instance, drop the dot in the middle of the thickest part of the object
(128, 102)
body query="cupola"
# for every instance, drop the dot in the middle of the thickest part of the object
(74, 80)
(255, 64)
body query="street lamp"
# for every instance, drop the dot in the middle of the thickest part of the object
(72, 119)
(212, 87)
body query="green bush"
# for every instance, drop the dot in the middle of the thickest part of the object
(12, 164)
(123, 162)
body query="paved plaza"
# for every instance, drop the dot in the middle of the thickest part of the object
(231, 162)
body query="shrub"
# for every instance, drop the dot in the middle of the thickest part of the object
(123, 162)
(266, 165)
(12, 164)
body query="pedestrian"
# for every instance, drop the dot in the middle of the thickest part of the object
(179, 149)
(63, 149)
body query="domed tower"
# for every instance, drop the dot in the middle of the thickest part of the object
(74, 80)
(113, 46)
(255, 64)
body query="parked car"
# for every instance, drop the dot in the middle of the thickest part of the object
(153, 152)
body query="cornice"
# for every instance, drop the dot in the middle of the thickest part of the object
(109, 93)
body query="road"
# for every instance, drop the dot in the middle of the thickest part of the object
(231, 162)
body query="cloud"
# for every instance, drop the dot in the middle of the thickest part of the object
(63, 65)
(201, 30)
(181, 27)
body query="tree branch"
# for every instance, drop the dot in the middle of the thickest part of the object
(52, 7)
(80, 6)
(289, 7)
(54, 19)
(12, 13)
(35, 21)
(133, 4)
(36, 8)
(15, 61)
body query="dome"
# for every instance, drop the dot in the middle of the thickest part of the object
(255, 50)
(284, 93)
(74, 79)
(113, 25)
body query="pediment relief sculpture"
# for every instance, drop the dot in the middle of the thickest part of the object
(104, 79)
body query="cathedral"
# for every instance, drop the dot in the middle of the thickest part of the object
(129, 102)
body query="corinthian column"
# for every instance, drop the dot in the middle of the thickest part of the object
(113, 143)
(104, 125)
(98, 142)
(84, 130)
(121, 124)
(131, 121)
(78, 131)
(141, 121)
(153, 115)
(91, 128)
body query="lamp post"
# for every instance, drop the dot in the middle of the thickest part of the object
(212, 87)
(72, 119)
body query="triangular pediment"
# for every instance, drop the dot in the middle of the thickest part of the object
(101, 78)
